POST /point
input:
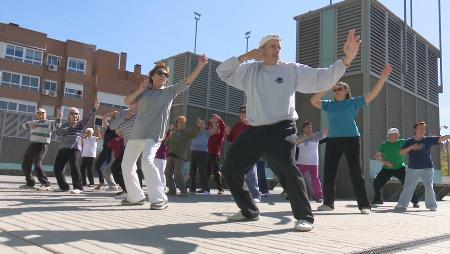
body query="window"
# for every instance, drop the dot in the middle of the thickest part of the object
(15, 80)
(110, 100)
(73, 90)
(14, 53)
(17, 106)
(76, 66)
(22, 54)
(50, 85)
(53, 60)
(115, 107)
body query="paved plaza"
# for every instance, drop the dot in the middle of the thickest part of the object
(94, 222)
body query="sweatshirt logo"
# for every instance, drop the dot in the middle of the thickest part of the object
(279, 80)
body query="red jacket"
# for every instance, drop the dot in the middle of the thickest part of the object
(116, 145)
(215, 141)
(236, 131)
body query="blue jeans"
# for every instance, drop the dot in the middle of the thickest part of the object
(411, 179)
(262, 181)
(251, 180)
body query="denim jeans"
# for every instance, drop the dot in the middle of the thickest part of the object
(411, 179)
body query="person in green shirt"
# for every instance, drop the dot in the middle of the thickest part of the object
(393, 165)
(178, 146)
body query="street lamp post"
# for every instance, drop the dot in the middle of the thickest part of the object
(247, 36)
(197, 18)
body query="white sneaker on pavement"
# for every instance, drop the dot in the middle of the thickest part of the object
(76, 191)
(303, 226)
(257, 200)
(240, 217)
(325, 208)
(365, 211)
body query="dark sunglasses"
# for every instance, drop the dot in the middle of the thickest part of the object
(338, 89)
(162, 73)
(73, 113)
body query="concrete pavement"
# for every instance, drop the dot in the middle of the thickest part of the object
(94, 222)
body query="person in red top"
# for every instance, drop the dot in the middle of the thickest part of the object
(251, 178)
(215, 143)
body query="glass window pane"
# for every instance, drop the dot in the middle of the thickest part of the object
(47, 85)
(29, 54)
(6, 77)
(3, 105)
(72, 64)
(23, 108)
(15, 78)
(19, 52)
(34, 82)
(12, 106)
(31, 108)
(25, 80)
(38, 56)
(10, 50)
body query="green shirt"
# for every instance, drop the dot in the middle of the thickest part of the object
(391, 153)
(179, 141)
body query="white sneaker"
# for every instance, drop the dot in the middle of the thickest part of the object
(365, 211)
(43, 188)
(257, 200)
(240, 217)
(76, 191)
(325, 208)
(303, 226)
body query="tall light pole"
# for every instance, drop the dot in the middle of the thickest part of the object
(247, 36)
(197, 18)
(446, 145)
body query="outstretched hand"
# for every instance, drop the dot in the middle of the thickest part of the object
(351, 47)
(387, 70)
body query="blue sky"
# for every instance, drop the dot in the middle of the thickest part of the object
(150, 30)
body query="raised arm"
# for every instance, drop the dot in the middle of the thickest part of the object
(316, 99)
(132, 97)
(202, 62)
(406, 150)
(233, 72)
(380, 84)
(91, 116)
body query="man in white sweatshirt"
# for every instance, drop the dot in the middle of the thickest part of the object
(270, 87)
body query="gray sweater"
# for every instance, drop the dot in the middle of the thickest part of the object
(270, 89)
(43, 131)
(154, 110)
(71, 134)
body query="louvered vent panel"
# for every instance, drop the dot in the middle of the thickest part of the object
(377, 39)
(394, 50)
(410, 77)
(309, 41)
(218, 90)
(421, 53)
(433, 83)
(199, 90)
(179, 72)
(349, 17)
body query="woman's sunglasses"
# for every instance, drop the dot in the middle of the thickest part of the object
(162, 73)
(338, 89)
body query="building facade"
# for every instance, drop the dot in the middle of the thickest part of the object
(37, 71)
(412, 91)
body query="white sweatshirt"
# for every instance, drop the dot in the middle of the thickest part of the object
(270, 89)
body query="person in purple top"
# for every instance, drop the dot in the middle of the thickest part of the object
(161, 156)
(420, 166)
